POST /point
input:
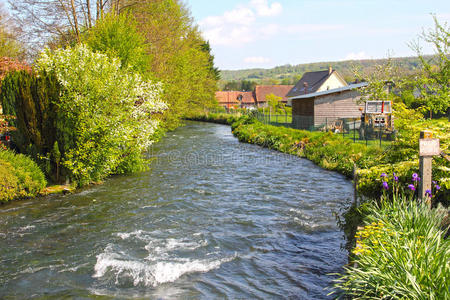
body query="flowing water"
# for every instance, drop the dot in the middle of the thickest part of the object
(212, 218)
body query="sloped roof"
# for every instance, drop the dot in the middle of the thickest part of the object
(313, 80)
(226, 97)
(261, 91)
(332, 91)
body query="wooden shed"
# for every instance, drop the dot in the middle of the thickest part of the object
(320, 108)
(322, 97)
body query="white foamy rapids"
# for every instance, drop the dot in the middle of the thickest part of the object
(147, 273)
(158, 246)
(140, 234)
(155, 247)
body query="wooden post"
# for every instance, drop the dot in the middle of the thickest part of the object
(428, 147)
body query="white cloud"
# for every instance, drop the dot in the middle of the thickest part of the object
(309, 28)
(264, 9)
(270, 30)
(229, 36)
(238, 16)
(257, 60)
(239, 26)
(247, 23)
(357, 56)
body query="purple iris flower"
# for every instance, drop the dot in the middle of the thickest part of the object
(395, 178)
(383, 175)
(412, 187)
(434, 182)
(428, 193)
(437, 187)
(385, 185)
(415, 177)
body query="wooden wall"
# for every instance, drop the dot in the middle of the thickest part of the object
(303, 107)
(335, 106)
(303, 113)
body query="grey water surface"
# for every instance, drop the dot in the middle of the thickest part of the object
(212, 219)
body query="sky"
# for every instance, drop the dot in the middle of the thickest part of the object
(268, 33)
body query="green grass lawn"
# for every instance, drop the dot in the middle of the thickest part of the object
(354, 136)
(282, 119)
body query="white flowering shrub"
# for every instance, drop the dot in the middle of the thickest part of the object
(104, 114)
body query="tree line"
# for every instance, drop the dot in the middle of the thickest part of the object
(421, 82)
(109, 77)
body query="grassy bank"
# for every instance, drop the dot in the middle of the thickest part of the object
(401, 253)
(218, 118)
(333, 152)
(402, 241)
(20, 177)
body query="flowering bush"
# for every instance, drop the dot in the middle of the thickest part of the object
(104, 113)
(401, 253)
(8, 65)
(401, 243)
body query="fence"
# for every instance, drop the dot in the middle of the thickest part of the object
(349, 128)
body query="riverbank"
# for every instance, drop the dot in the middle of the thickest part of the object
(396, 228)
(212, 218)
(20, 177)
(332, 152)
(401, 252)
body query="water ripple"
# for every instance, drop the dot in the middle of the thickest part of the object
(212, 218)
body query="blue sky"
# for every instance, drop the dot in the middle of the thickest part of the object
(268, 33)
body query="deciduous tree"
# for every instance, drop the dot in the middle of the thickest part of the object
(43, 21)
(9, 46)
(434, 82)
(179, 55)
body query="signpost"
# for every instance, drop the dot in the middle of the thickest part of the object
(428, 147)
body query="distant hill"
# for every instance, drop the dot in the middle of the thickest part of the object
(289, 74)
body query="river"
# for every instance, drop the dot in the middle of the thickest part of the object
(212, 218)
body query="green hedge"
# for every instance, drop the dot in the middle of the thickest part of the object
(333, 152)
(219, 118)
(20, 177)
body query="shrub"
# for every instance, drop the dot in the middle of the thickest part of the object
(219, 118)
(401, 253)
(19, 176)
(104, 115)
(100, 114)
(31, 100)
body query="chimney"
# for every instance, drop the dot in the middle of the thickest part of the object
(330, 69)
(305, 85)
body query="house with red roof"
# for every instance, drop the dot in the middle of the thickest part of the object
(261, 92)
(256, 98)
(235, 99)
